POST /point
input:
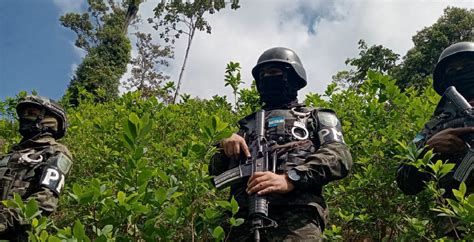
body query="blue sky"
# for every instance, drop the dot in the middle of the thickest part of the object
(35, 50)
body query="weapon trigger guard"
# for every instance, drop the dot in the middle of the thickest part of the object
(270, 223)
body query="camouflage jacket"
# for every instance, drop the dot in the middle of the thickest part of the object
(34, 170)
(319, 154)
(412, 181)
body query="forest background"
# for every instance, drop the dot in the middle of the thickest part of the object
(141, 156)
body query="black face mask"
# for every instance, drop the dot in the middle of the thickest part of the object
(275, 91)
(463, 80)
(29, 128)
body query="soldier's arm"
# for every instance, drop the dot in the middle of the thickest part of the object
(234, 147)
(52, 180)
(332, 161)
(219, 163)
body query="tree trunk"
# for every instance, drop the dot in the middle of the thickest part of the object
(191, 36)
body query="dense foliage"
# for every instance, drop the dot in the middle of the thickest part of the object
(102, 34)
(141, 161)
(141, 168)
(417, 65)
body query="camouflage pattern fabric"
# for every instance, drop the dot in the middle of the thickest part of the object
(300, 223)
(412, 181)
(320, 161)
(23, 176)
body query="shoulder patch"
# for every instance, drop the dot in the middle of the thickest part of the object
(62, 162)
(4, 160)
(328, 119)
(275, 121)
(53, 179)
(418, 138)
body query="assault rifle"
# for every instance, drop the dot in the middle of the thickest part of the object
(463, 113)
(259, 162)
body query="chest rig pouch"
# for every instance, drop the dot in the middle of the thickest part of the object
(19, 171)
(290, 133)
(284, 126)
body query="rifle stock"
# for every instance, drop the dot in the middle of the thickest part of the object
(461, 106)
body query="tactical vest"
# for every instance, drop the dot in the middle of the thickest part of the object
(290, 132)
(439, 122)
(25, 171)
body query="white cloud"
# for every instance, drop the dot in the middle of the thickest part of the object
(66, 6)
(244, 34)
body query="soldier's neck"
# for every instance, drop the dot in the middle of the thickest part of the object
(281, 105)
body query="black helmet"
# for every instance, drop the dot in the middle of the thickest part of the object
(283, 56)
(457, 51)
(47, 107)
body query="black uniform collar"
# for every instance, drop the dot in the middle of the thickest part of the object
(288, 105)
(43, 140)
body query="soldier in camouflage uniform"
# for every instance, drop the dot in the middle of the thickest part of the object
(36, 167)
(455, 68)
(310, 147)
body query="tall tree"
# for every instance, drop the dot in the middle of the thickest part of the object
(376, 57)
(146, 77)
(456, 24)
(177, 17)
(102, 34)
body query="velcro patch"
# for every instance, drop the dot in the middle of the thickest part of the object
(329, 135)
(63, 163)
(53, 179)
(328, 119)
(418, 138)
(275, 121)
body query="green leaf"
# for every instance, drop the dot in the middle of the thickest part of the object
(129, 144)
(214, 121)
(171, 212)
(160, 195)
(107, 229)
(54, 239)
(445, 169)
(162, 175)
(18, 201)
(31, 209)
(234, 205)
(134, 118)
(211, 213)
(232, 221)
(146, 126)
(458, 194)
(239, 222)
(132, 127)
(78, 231)
(218, 233)
(144, 176)
(34, 222)
(43, 235)
(224, 204)
(462, 188)
(121, 197)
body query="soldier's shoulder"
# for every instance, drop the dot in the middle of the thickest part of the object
(324, 110)
(245, 120)
(62, 148)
